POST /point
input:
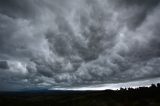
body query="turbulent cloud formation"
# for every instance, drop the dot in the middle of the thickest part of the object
(66, 43)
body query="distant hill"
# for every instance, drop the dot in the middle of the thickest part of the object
(142, 96)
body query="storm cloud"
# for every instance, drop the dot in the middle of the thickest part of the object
(71, 43)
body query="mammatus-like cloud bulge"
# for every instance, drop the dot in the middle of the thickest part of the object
(71, 43)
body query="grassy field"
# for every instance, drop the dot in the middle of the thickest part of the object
(125, 97)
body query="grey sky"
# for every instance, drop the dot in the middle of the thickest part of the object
(69, 43)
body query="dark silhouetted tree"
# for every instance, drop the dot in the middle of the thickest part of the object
(158, 85)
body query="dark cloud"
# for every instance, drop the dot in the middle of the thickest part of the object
(16, 9)
(142, 7)
(4, 65)
(58, 43)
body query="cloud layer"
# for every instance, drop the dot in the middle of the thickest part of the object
(59, 43)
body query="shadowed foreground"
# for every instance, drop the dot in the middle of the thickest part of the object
(142, 96)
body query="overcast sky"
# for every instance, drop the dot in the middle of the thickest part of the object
(78, 43)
